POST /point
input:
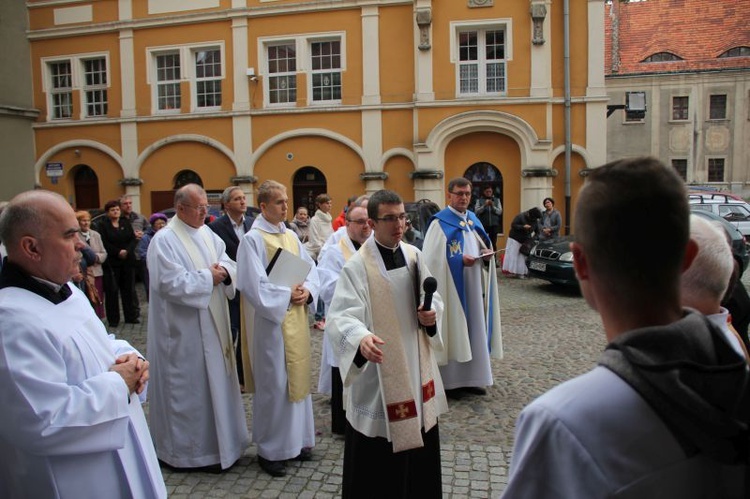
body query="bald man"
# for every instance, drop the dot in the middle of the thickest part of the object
(71, 424)
(196, 410)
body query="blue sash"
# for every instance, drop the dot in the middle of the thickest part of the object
(455, 229)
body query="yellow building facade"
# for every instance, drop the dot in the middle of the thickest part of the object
(347, 97)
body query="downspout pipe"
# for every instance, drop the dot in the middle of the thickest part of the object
(568, 146)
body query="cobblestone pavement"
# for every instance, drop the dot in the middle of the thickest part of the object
(549, 335)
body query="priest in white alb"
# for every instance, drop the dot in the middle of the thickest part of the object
(459, 253)
(196, 411)
(384, 340)
(279, 370)
(341, 246)
(71, 423)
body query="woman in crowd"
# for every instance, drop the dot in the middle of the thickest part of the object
(520, 241)
(95, 273)
(319, 230)
(119, 268)
(157, 221)
(551, 221)
(299, 224)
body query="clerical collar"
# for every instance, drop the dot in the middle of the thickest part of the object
(463, 215)
(387, 247)
(393, 258)
(13, 276)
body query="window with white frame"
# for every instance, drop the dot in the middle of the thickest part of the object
(84, 74)
(325, 65)
(482, 61)
(95, 86)
(168, 92)
(61, 89)
(320, 56)
(202, 66)
(208, 78)
(282, 73)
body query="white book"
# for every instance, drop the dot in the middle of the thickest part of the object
(287, 269)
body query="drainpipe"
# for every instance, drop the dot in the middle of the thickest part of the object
(566, 64)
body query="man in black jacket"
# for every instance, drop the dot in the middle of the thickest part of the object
(230, 227)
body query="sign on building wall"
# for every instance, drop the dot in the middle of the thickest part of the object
(54, 171)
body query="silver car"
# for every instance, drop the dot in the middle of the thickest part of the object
(731, 208)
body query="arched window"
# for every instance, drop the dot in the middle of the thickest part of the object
(736, 52)
(662, 57)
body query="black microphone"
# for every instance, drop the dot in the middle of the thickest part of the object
(429, 286)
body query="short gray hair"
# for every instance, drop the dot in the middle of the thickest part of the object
(183, 193)
(709, 274)
(227, 194)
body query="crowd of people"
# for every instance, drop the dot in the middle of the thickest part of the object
(405, 330)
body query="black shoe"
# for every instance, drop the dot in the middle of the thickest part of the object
(211, 468)
(475, 390)
(455, 394)
(273, 468)
(133, 321)
(304, 455)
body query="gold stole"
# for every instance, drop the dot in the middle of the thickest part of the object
(399, 399)
(218, 304)
(346, 251)
(294, 328)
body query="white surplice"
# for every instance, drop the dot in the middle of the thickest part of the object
(330, 263)
(280, 428)
(67, 428)
(350, 320)
(464, 363)
(196, 411)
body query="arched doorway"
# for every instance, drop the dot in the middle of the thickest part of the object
(483, 175)
(164, 200)
(308, 182)
(185, 177)
(86, 187)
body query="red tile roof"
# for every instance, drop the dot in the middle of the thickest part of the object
(697, 31)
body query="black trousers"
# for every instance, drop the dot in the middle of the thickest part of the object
(235, 324)
(373, 470)
(119, 282)
(338, 415)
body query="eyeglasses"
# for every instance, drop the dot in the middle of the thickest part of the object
(200, 207)
(460, 194)
(358, 222)
(391, 219)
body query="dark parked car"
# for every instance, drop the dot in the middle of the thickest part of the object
(419, 213)
(553, 261)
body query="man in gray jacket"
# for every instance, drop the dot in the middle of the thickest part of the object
(665, 414)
